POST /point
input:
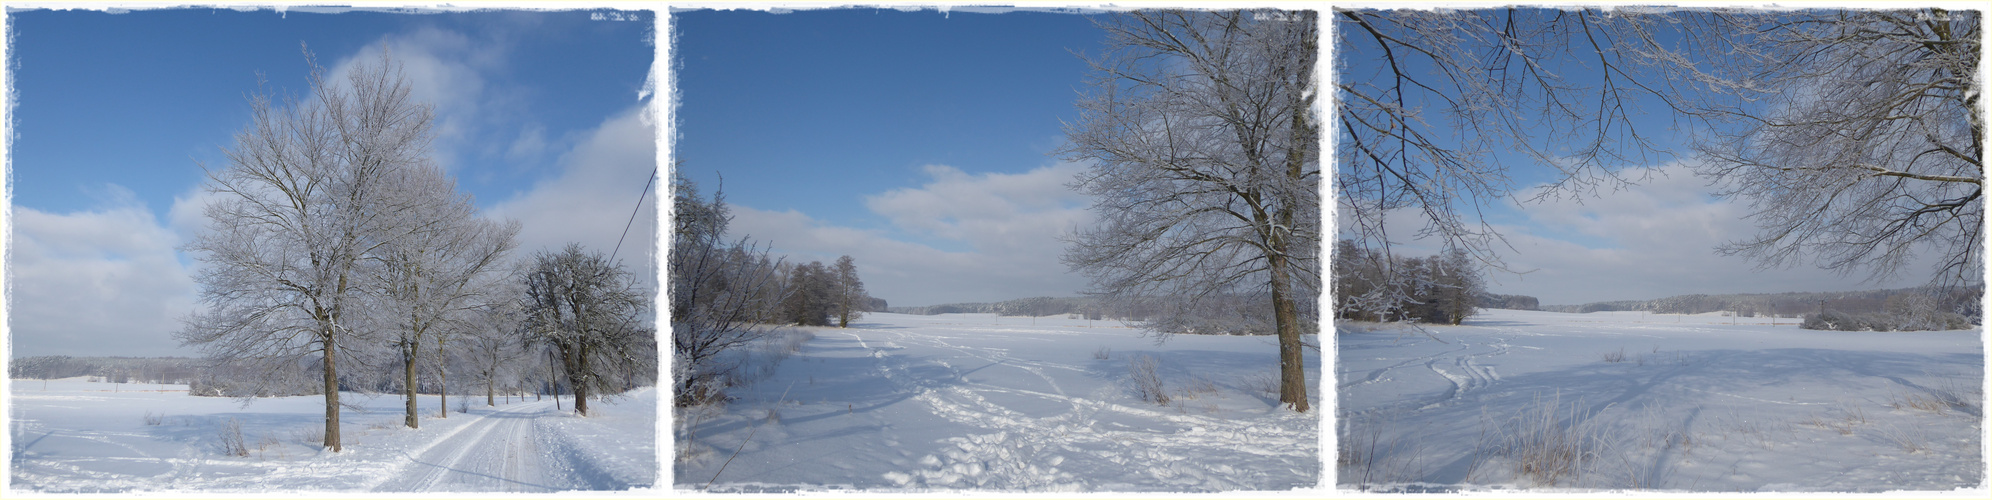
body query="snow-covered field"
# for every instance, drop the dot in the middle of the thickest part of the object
(1620, 400)
(977, 402)
(74, 436)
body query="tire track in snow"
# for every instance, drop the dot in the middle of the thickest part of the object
(499, 451)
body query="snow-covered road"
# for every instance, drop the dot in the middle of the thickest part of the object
(508, 449)
(72, 435)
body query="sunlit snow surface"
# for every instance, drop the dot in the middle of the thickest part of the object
(74, 436)
(1697, 404)
(976, 402)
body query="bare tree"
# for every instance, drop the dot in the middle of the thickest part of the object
(497, 345)
(1206, 165)
(436, 273)
(810, 298)
(589, 312)
(723, 296)
(297, 208)
(1459, 284)
(850, 291)
(1855, 135)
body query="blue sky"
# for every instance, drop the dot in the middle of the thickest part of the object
(538, 114)
(916, 142)
(1653, 238)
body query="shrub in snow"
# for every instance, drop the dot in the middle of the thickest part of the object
(1886, 322)
(1549, 442)
(230, 434)
(1147, 384)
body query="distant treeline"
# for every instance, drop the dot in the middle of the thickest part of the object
(122, 370)
(1088, 307)
(204, 380)
(1499, 301)
(1796, 304)
(1028, 307)
(1219, 315)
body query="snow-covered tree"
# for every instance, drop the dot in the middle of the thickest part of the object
(300, 204)
(850, 294)
(590, 314)
(723, 295)
(495, 347)
(1854, 134)
(1201, 133)
(434, 275)
(1370, 286)
(1460, 285)
(811, 295)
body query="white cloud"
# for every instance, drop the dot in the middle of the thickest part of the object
(1009, 222)
(591, 197)
(447, 69)
(100, 282)
(1652, 240)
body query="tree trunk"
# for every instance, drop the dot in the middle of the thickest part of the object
(408, 418)
(1293, 372)
(331, 392)
(578, 379)
(490, 399)
(442, 382)
(553, 386)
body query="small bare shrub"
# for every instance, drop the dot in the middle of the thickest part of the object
(1549, 443)
(1199, 386)
(463, 405)
(230, 434)
(1911, 440)
(1262, 383)
(310, 435)
(1365, 458)
(1147, 384)
(154, 419)
(1617, 356)
(1103, 353)
(264, 444)
(1925, 402)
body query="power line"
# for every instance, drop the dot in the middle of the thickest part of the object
(632, 213)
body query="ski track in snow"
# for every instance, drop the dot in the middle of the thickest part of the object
(1006, 418)
(502, 453)
(1026, 453)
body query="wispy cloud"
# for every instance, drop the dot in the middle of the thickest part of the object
(449, 70)
(1008, 223)
(591, 198)
(1652, 240)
